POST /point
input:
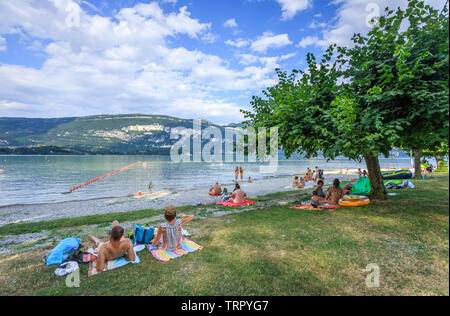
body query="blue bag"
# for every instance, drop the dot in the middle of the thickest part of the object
(143, 235)
(63, 250)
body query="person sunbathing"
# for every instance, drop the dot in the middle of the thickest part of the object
(116, 247)
(335, 193)
(169, 235)
(238, 196)
(216, 189)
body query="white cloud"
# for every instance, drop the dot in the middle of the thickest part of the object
(317, 25)
(308, 41)
(120, 64)
(231, 23)
(248, 59)
(270, 40)
(351, 18)
(287, 56)
(2, 44)
(291, 7)
(238, 43)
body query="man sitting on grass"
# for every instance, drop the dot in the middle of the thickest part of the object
(335, 193)
(116, 247)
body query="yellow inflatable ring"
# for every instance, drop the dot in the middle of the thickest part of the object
(344, 203)
(354, 198)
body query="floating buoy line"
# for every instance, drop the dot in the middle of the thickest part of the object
(102, 177)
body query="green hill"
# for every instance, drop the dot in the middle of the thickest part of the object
(102, 134)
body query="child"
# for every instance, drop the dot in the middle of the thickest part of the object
(295, 183)
(359, 173)
(250, 180)
(169, 236)
(302, 183)
(316, 200)
(320, 189)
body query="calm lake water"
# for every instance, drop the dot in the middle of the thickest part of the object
(43, 179)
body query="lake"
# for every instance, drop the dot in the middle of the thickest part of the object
(43, 179)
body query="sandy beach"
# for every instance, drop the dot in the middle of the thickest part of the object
(156, 200)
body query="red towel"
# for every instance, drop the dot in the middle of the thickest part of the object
(236, 204)
(320, 208)
(213, 194)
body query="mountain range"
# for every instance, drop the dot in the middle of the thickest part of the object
(100, 134)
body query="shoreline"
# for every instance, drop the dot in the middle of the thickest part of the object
(15, 214)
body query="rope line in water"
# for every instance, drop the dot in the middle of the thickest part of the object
(102, 177)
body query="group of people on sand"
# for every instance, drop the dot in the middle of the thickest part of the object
(168, 237)
(300, 182)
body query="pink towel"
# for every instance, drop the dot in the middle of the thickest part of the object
(236, 204)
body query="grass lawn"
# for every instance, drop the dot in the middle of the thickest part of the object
(274, 250)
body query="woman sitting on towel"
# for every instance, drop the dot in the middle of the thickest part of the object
(238, 195)
(335, 193)
(169, 236)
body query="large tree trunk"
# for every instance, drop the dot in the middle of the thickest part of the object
(377, 188)
(417, 163)
(438, 161)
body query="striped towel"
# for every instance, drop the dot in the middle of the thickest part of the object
(110, 265)
(187, 246)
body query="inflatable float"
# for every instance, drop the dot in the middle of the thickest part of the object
(397, 175)
(354, 201)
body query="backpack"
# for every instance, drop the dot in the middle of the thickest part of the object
(143, 235)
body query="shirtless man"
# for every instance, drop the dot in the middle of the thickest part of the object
(116, 247)
(335, 193)
(236, 173)
(238, 195)
(216, 189)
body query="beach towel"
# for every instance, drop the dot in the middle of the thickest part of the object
(320, 208)
(187, 246)
(230, 204)
(111, 264)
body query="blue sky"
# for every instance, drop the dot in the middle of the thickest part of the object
(184, 58)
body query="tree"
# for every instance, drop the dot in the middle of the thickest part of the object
(414, 80)
(315, 114)
(357, 102)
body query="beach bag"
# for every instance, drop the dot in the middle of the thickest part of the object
(143, 235)
(62, 251)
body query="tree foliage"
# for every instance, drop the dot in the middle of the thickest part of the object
(388, 89)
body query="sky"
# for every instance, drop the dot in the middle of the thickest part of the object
(183, 58)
